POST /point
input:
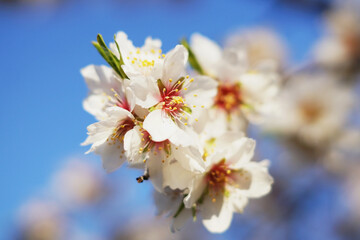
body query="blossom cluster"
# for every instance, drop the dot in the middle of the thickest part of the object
(184, 127)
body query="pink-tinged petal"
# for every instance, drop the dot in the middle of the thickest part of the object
(174, 64)
(160, 126)
(130, 98)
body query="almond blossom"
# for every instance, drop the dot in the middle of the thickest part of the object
(224, 187)
(244, 93)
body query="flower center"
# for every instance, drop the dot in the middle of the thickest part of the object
(221, 175)
(121, 129)
(311, 112)
(228, 97)
(171, 100)
(155, 147)
(217, 177)
(120, 101)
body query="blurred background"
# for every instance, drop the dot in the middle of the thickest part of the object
(51, 190)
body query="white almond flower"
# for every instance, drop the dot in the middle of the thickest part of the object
(107, 137)
(241, 91)
(229, 180)
(140, 148)
(173, 98)
(312, 108)
(106, 90)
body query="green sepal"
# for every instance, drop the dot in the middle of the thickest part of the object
(194, 63)
(109, 56)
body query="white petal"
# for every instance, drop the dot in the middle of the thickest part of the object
(95, 104)
(144, 88)
(97, 77)
(176, 177)
(126, 46)
(232, 65)
(132, 145)
(99, 132)
(174, 64)
(207, 52)
(261, 180)
(217, 216)
(201, 92)
(183, 137)
(112, 155)
(154, 166)
(159, 125)
(152, 44)
(196, 189)
(189, 158)
(240, 152)
(238, 200)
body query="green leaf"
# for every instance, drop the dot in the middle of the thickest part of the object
(109, 56)
(194, 63)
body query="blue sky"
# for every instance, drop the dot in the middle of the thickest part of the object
(43, 48)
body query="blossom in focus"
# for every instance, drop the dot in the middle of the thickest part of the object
(312, 108)
(229, 180)
(244, 93)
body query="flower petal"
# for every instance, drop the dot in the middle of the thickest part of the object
(174, 64)
(98, 78)
(159, 125)
(261, 180)
(201, 92)
(112, 155)
(207, 52)
(217, 216)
